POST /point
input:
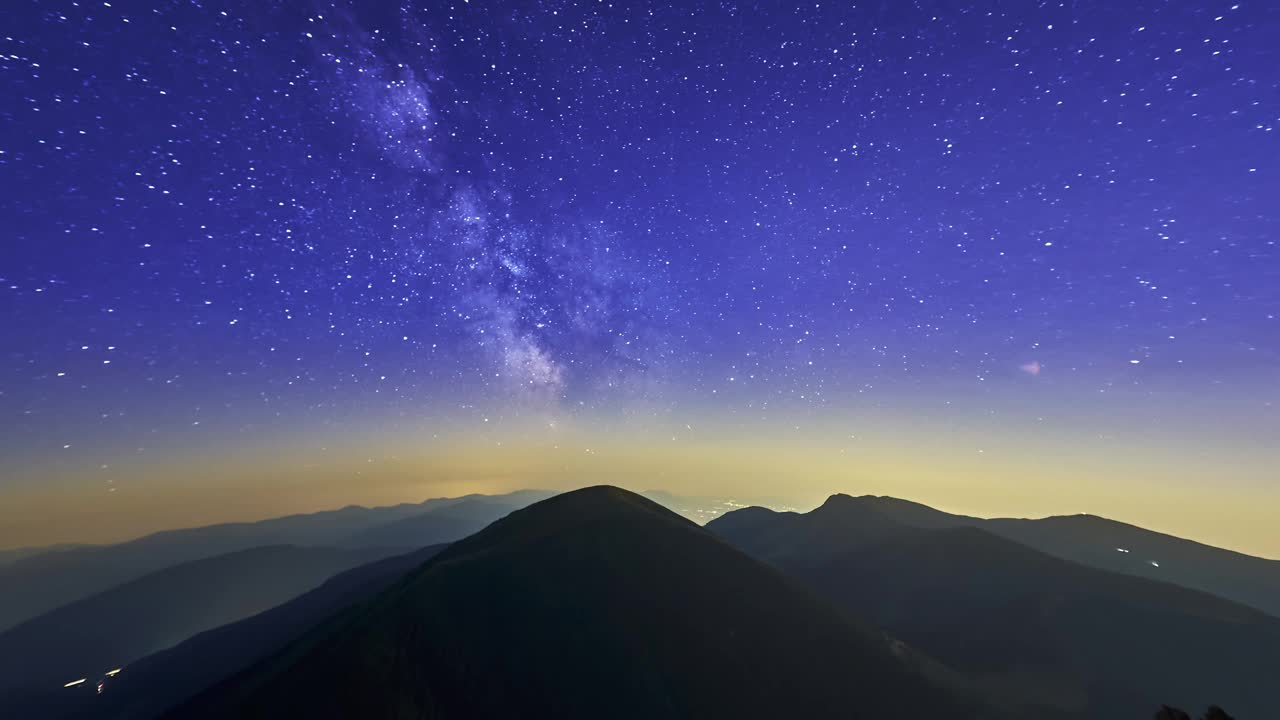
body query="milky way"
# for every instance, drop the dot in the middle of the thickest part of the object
(233, 220)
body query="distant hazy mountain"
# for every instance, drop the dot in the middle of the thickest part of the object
(596, 603)
(1095, 643)
(14, 554)
(40, 582)
(113, 628)
(442, 525)
(704, 509)
(150, 686)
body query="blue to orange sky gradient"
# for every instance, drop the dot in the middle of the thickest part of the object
(263, 258)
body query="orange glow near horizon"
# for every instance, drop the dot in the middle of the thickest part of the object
(1021, 473)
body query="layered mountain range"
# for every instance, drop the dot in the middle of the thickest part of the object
(601, 602)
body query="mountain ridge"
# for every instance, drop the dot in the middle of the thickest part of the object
(43, 581)
(1105, 544)
(159, 609)
(1105, 643)
(595, 601)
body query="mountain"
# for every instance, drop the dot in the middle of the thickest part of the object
(442, 525)
(594, 603)
(450, 522)
(842, 523)
(14, 554)
(152, 685)
(43, 581)
(1094, 643)
(1119, 547)
(703, 509)
(120, 625)
(1093, 541)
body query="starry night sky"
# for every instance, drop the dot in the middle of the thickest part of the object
(1020, 257)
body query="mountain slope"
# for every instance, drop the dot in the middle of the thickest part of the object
(442, 525)
(1086, 539)
(113, 628)
(1097, 643)
(595, 603)
(152, 685)
(19, 553)
(1097, 542)
(42, 581)
(840, 524)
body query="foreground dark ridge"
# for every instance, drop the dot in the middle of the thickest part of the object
(595, 603)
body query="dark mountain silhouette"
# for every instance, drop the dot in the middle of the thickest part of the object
(841, 524)
(150, 686)
(595, 603)
(40, 582)
(1093, 541)
(120, 625)
(1098, 643)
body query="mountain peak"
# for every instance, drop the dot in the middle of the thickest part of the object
(597, 499)
(596, 510)
(905, 512)
(839, 499)
(845, 499)
(878, 503)
(593, 603)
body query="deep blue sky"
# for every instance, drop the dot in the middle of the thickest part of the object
(236, 219)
